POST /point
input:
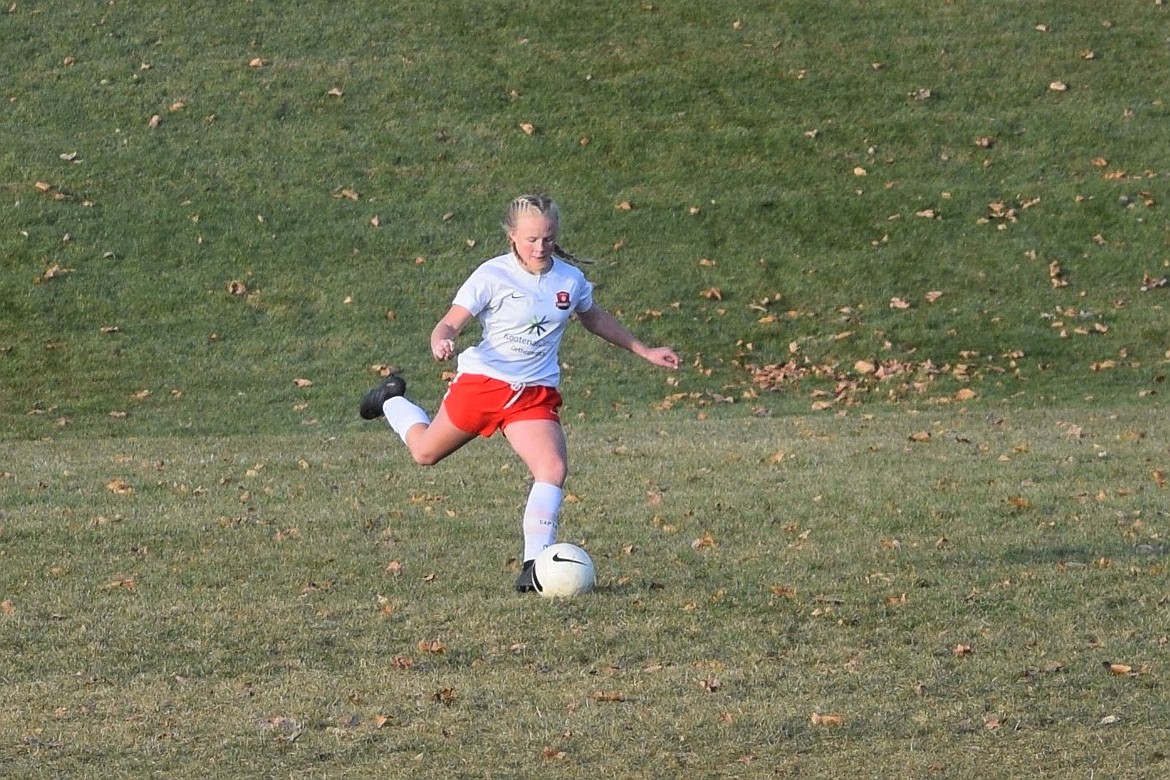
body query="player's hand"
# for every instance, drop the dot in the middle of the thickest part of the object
(443, 349)
(663, 356)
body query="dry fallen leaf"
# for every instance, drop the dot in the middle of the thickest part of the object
(608, 696)
(827, 720)
(120, 487)
(433, 646)
(1121, 670)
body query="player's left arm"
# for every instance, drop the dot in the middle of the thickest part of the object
(601, 323)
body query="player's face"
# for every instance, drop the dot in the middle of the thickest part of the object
(534, 237)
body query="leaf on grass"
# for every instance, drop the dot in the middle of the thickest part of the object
(303, 383)
(432, 646)
(1019, 502)
(704, 541)
(7, 607)
(932, 296)
(1122, 670)
(336, 92)
(966, 394)
(121, 583)
(236, 287)
(120, 487)
(1058, 86)
(625, 205)
(609, 696)
(528, 128)
(961, 650)
(899, 304)
(920, 436)
(829, 719)
(445, 696)
(712, 294)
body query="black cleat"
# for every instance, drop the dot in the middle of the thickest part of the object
(390, 387)
(526, 582)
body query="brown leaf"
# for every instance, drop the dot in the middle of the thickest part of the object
(432, 646)
(827, 720)
(608, 696)
(7, 607)
(920, 436)
(120, 487)
(445, 696)
(961, 650)
(899, 304)
(336, 92)
(625, 205)
(236, 287)
(303, 383)
(528, 128)
(706, 540)
(1121, 670)
(121, 583)
(712, 294)
(1058, 86)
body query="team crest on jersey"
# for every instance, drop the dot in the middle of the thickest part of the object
(563, 300)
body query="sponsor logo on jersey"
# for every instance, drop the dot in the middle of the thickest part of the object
(563, 300)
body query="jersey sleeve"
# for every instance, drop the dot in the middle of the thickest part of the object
(475, 293)
(584, 296)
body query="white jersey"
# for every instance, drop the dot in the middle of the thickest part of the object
(523, 316)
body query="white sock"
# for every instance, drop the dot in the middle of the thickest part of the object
(540, 518)
(403, 415)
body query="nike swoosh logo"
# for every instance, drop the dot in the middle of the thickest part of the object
(557, 557)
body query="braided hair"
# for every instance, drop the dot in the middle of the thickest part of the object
(545, 207)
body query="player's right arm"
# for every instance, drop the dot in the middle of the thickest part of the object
(447, 330)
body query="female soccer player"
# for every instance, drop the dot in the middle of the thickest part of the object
(523, 300)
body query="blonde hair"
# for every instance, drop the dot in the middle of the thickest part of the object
(541, 205)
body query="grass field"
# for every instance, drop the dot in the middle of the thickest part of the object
(902, 513)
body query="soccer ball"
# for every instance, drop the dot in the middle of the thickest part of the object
(563, 570)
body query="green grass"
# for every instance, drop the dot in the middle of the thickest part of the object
(235, 615)
(239, 610)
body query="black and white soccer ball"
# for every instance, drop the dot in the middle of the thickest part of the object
(562, 571)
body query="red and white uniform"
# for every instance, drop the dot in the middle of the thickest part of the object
(523, 317)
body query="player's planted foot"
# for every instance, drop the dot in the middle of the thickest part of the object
(526, 582)
(390, 387)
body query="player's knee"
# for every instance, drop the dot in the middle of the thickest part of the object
(552, 473)
(425, 457)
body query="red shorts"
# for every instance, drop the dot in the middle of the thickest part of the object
(480, 404)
